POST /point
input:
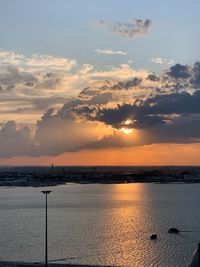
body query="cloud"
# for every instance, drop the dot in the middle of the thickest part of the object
(153, 78)
(15, 141)
(36, 62)
(45, 103)
(55, 134)
(127, 84)
(124, 71)
(31, 84)
(137, 138)
(11, 75)
(65, 133)
(154, 110)
(162, 107)
(173, 118)
(110, 52)
(179, 71)
(159, 60)
(86, 68)
(136, 27)
(195, 80)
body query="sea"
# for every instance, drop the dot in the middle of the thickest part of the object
(101, 224)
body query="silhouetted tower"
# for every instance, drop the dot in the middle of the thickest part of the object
(52, 169)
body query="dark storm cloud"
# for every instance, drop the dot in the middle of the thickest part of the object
(152, 111)
(179, 71)
(183, 131)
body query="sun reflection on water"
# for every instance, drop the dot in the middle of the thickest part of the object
(124, 226)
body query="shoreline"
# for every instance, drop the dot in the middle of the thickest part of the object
(45, 177)
(49, 184)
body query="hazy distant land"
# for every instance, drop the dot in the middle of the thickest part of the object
(50, 176)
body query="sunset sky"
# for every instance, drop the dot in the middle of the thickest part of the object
(107, 82)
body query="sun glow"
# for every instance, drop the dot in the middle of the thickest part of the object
(127, 122)
(126, 130)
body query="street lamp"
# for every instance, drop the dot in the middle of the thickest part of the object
(46, 192)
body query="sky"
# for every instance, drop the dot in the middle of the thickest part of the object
(110, 82)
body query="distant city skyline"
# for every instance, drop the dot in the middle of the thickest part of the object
(99, 82)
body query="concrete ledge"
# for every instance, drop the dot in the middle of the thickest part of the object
(35, 264)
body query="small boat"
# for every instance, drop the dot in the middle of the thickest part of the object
(173, 231)
(153, 237)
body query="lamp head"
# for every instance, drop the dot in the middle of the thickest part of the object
(46, 192)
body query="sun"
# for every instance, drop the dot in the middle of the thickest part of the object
(126, 130)
(128, 121)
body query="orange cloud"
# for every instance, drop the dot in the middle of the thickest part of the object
(157, 154)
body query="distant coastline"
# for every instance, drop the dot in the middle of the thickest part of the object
(52, 176)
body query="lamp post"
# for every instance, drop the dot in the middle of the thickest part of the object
(46, 192)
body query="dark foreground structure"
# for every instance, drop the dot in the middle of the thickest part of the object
(196, 258)
(32, 264)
